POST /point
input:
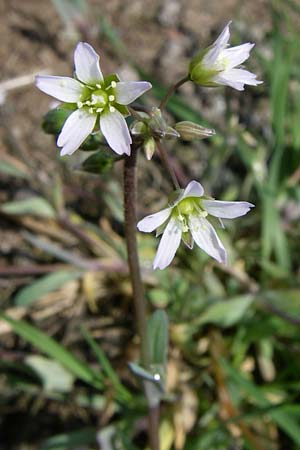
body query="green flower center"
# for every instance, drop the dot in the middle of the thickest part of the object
(186, 207)
(101, 97)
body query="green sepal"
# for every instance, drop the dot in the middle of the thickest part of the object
(122, 109)
(198, 73)
(110, 78)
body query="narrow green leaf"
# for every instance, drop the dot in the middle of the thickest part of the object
(158, 337)
(30, 294)
(8, 168)
(50, 347)
(36, 206)
(106, 366)
(227, 312)
(69, 441)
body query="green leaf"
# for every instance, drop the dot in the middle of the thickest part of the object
(226, 313)
(44, 285)
(106, 366)
(68, 441)
(54, 376)
(100, 162)
(158, 337)
(8, 168)
(36, 206)
(50, 347)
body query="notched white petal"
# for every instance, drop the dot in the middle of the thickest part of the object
(76, 129)
(86, 62)
(193, 189)
(150, 223)
(207, 239)
(128, 91)
(65, 89)
(168, 245)
(115, 130)
(226, 210)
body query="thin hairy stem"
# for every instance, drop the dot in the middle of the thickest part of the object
(164, 156)
(171, 91)
(130, 196)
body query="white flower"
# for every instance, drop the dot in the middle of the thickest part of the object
(187, 221)
(97, 101)
(220, 65)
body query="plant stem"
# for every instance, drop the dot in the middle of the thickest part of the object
(130, 194)
(130, 197)
(171, 91)
(165, 159)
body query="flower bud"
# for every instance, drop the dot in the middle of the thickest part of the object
(55, 118)
(149, 147)
(189, 131)
(139, 129)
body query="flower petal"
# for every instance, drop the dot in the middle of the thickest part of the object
(150, 223)
(193, 189)
(236, 78)
(115, 130)
(207, 239)
(236, 55)
(86, 62)
(65, 89)
(219, 45)
(168, 245)
(128, 91)
(226, 210)
(76, 129)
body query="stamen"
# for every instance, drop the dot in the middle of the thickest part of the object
(99, 110)
(88, 103)
(91, 110)
(98, 86)
(79, 104)
(112, 109)
(111, 98)
(113, 84)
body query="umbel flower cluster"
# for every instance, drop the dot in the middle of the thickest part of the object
(99, 104)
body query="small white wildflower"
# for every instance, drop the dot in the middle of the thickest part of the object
(97, 99)
(187, 221)
(220, 65)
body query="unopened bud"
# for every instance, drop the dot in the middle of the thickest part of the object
(149, 147)
(139, 129)
(189, 131)
(54, 120)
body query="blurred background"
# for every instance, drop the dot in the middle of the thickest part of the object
(233, 364)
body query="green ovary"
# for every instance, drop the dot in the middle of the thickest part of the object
(99, 98)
